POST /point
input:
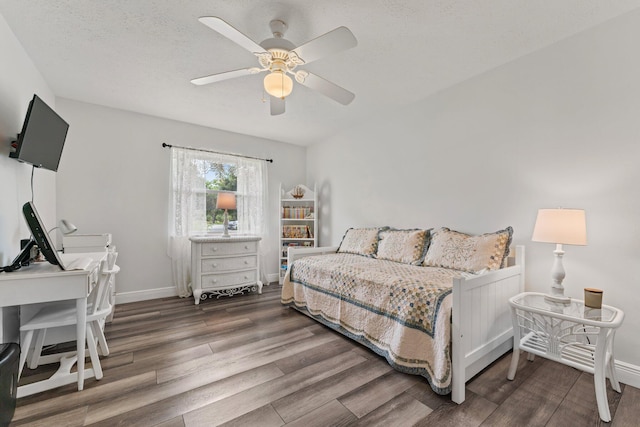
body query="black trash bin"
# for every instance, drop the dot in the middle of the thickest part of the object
(9, 360)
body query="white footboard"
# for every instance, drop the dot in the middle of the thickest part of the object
(481, 328)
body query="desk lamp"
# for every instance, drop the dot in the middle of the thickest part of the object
(226, 201)
(562, 227)
(65, 227)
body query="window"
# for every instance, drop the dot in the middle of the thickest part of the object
(220, 177)
(196, 179)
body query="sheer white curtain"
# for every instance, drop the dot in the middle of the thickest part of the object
(187, 205)
(252, 204)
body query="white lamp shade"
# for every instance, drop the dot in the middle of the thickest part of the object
(278, 84)
(564, 226)
(66, 227)
(226, 201)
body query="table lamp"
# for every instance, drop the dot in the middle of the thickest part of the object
(226, 201)
(562, 227)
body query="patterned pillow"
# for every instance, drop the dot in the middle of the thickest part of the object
(459, 251)
(405, 246)
(360, 241)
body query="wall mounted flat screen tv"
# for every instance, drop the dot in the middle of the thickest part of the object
(42, 138)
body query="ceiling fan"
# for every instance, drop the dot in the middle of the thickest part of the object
(279, 57)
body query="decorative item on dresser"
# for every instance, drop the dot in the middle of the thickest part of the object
(298, 221)
(560, 226)
(224, 265)
(226, 201)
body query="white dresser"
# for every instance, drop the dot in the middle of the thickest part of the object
(224, 266)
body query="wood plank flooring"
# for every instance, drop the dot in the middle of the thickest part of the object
(248, 361)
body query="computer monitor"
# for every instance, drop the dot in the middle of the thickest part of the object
(40, 235)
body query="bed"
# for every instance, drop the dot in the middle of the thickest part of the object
(445, 324)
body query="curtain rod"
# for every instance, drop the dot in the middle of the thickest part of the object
(165, 145)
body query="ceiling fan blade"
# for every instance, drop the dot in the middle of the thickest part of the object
(222, 76)
(277, 106)
(231, 33)
(332, 42)
(328, 89)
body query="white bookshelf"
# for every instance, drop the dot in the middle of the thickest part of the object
(298, 222)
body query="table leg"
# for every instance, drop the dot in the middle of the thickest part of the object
(599, 377)
(81, 331)
(515, 356)
(611, 364)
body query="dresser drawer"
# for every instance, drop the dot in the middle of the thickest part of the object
(230, 248)
(213, 265)
(212, 281)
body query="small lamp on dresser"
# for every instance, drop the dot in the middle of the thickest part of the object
(226, 201)
(562, 227)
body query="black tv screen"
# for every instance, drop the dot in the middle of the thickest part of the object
(42, 138)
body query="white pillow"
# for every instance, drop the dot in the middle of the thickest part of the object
(360, 241)
(405, 246)
(460, 251)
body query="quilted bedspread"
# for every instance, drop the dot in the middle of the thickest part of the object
(400, 311)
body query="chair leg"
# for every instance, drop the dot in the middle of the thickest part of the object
(93, 353)
(37, 348)
(102, 340)
(24, 350)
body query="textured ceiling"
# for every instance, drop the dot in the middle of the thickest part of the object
(140, 55)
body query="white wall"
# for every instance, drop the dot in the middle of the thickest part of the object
(559, 127)
(114, 177)
(19, 80)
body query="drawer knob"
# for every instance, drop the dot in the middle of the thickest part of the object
(214, 265)
(214, 281)
(215, 248)
(246, 246)
(246, 277)
(246, 262)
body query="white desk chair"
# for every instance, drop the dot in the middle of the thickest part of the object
(64, 314)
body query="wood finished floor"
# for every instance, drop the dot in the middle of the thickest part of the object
(248, 361)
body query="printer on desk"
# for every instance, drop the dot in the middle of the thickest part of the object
(75, 243)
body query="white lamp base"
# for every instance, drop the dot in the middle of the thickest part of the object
(557, 275)
(225, 224)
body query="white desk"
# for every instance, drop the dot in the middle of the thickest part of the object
(44, 282)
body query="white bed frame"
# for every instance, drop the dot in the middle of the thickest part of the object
(481, 327)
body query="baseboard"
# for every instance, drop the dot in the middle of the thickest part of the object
(147, 294)
(628, 373)
(125, 297)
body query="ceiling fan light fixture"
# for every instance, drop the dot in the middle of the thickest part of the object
(278, 84)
